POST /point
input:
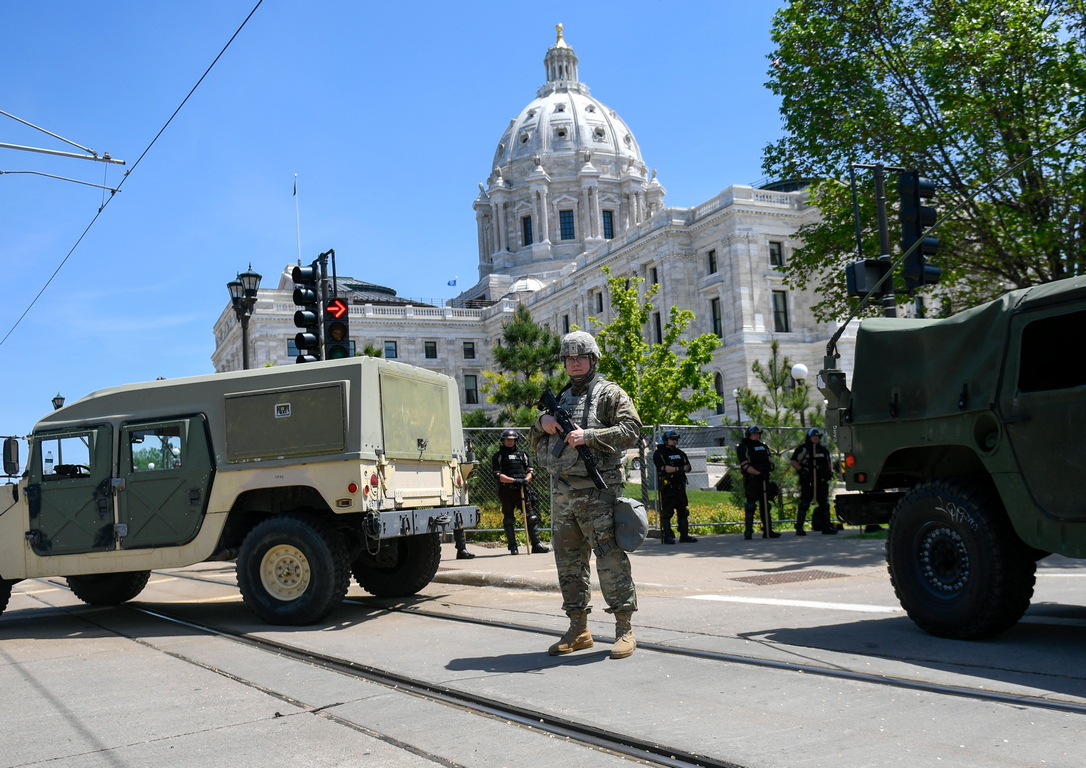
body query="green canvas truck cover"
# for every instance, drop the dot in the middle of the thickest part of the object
(936, 368)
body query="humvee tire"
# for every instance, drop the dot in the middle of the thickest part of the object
(401, 567)
(957, 567)
(108, 588)
(5, 593)
(292, 569)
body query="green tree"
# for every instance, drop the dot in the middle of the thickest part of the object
(370, 351)
(961, 90)
(527, 356)
(786, 403)
(666, 384)
(475, 419)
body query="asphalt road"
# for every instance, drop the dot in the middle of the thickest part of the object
(790, 633)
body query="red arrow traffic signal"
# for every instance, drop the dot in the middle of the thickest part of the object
(336, 308)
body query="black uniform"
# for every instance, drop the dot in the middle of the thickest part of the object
(753, 453)
(516, 464)
(814, 484)
(672, 491)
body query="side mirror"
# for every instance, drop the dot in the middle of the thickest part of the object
(11, 456)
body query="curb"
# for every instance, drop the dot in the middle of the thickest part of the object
(483, 579)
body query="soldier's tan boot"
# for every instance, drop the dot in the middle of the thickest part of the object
(624, 637)
(576, 637)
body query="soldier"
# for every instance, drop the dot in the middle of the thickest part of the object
(582, 516)
(671, 468)
(812, 461)
(513, 469)
(755, 462)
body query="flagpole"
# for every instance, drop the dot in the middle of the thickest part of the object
(297, 220)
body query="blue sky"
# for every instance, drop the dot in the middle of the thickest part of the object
(388, 112)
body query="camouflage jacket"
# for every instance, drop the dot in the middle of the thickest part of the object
(612, 426)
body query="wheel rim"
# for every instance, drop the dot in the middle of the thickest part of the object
(284, 572)
(944, 561)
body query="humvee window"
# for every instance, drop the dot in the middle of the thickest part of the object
(156, 449)
(1046, 361)
(66, 456)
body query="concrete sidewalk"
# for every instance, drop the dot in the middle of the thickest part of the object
(708, 564)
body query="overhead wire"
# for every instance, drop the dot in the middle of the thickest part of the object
(127, 173)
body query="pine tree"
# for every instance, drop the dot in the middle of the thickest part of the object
(527, 359)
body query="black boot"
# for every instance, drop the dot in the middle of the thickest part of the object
(748, 530)
(511, 538)
(684, 532)
(667, 536)
(538, 547)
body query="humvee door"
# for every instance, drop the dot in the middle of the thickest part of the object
(165, 471)
(68, 491)
(1043, 403)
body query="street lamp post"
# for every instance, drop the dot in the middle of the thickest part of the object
(58, 402)
(243, 298)
(735, 396)
(799, 373)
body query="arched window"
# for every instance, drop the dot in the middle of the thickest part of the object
(718, 385)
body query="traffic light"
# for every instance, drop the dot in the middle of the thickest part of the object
(307, 317)
(915, 217)
(861, 276)
(337, 342)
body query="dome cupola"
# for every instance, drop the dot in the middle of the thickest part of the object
(567, 175)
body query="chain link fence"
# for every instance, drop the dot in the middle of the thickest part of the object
(713, 462)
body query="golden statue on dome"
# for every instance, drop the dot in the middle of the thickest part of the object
(560, 43)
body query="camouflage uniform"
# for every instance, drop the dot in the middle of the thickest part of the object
(582, 522)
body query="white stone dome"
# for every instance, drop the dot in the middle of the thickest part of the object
(564, 119)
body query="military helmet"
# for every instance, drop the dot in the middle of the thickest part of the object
(579, 343)
(752, 429)
(814, 432)
(509, 433)
(671, 434)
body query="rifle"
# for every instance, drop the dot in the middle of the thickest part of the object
(548, 404)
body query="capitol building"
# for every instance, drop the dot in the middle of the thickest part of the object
(567, 194)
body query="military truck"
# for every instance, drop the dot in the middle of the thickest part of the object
(966, 435)
(303, 474)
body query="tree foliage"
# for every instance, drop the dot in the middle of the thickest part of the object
(787, 403)
(666, 385)
(961, 90)
(527, 357)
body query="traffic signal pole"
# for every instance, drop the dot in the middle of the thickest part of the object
(889, 304)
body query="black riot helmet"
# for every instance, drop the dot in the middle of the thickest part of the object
(509, 433)
(671, 434)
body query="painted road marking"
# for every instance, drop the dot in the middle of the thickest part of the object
(798, 603)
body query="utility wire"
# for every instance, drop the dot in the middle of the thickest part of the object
(126, 173)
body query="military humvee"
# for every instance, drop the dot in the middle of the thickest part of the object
(303, 474)
(966, 435)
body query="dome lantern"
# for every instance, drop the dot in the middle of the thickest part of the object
(561, 64)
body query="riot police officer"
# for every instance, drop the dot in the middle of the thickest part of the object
(671, 468)
(513, 468)
(811, 460)
(756, 464)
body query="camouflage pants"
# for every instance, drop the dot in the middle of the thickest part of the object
(580, 524)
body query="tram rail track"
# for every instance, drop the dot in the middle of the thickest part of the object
(590, 736)
(904, 683)
(568, 728)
